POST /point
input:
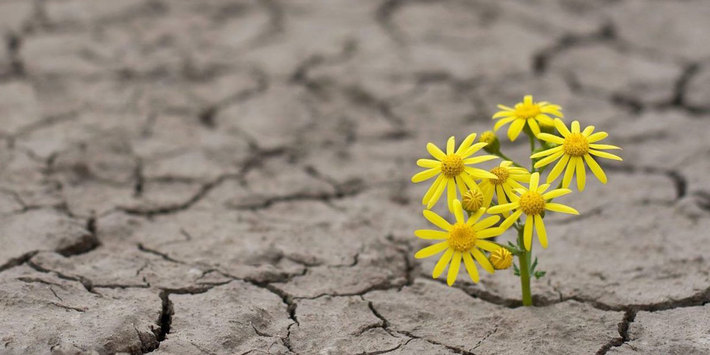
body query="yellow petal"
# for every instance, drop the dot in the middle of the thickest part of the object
(466, 143)
(527, 232)
(458, 211)
(550, 138)
(450, 144)
(441, 264)
(437, 194)
(595, 168)
(470, 267)
(515, 129)
(546, 152)
(558, 207)
(431, 234)
(472, 149)
(482, 260)
(428, 163)
(511, 219)
(561, 127)
(597, 137)
(437, 220)
(431, 250)
(454, 268)
(502, 123)
(575, 127)
(425, 175)
(581, 175)
(432, 189)
(541, 232)
(503, 208)
(490, 232)
(435, 151)
(479, 173)
(569, 172)
(555, 172)
(604, 146)
(556, 193)
(487, 245)
(606, 155)
(587, 131)
(548, 160)
(533, 126)
(450, 193)
(534, 181)
(481, 159)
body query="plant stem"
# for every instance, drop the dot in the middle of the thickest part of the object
(524, 262)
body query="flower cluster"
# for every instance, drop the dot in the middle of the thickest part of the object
(510, 194)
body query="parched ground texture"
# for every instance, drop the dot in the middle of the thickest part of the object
(232, 177)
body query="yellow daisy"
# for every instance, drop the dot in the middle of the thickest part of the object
(452, 170)
(574, 149)
(461, 240)
(528, 111)
(533, 202)
(508, 178)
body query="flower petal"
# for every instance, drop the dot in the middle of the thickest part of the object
(435, 151)
(428, 163)
(470, 267)
(431, 234)
(490, 232)
(561, 127)
(541, 232)
(437, 194)
(458, 211)
(432, 189)
(431, 250)
(604, 146)
(502, 123)
(482, 260)
(425, 175)
(466, 143)
(575, 127)
(450, 144)
(587, 131)
(550, 138)
(487, 245)
(527, 232)
(515, 129)
(534, 181)
(558, 207)
(546, 152)
(503, 208)
(441, 264)
(511, 219)
(581, 174)
(454, 268)
(555, 172)
(437, 220)
(595, 168)
(556, 193)
(549, 159)
(597, 137)
(606, 155)
(569, 172)
(533, 126)
(450, 193)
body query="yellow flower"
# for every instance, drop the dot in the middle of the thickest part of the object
(461, 240)
(532, 113)
(501, 259)
(574, 149)
(507, 179)
(533, 202)
(452, 170)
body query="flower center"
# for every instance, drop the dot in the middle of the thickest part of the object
(452, 165)
(527, 111)
(501, 173)
(472, 200)
(462, 237)
(532, 203)
(576, 145)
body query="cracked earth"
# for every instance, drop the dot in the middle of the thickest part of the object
(232, 177)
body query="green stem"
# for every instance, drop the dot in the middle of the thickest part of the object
(524, 262)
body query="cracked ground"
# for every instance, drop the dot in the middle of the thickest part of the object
(232, 177)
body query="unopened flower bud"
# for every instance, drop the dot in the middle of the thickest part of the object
(501, 258)
(472, 200)
(493, 144)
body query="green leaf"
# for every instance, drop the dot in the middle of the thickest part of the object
(534, 264)
(539, 274)
(516, 271)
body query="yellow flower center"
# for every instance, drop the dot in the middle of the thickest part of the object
(487, 137)
(452, 165)
(501, 173)
(472, 200)
(527, 111)
(576, 145)
(462, 237)
(532, 203)
(501, 259)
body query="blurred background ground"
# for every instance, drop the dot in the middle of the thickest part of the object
(233, 176)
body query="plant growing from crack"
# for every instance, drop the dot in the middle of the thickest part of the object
(501, 191)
